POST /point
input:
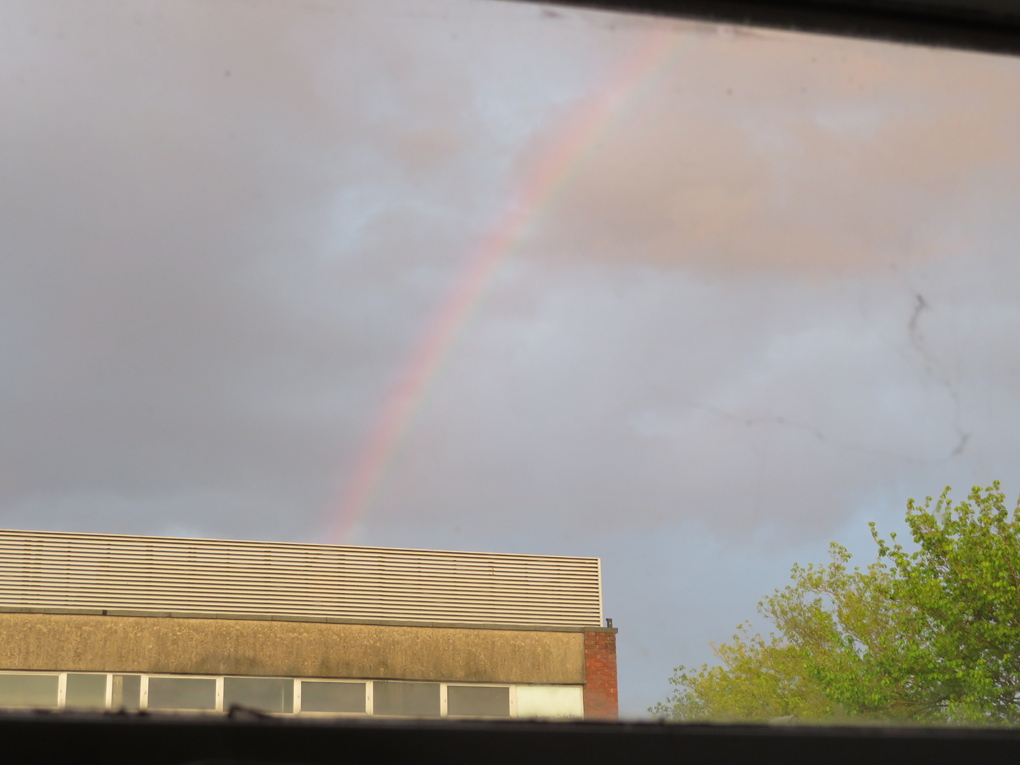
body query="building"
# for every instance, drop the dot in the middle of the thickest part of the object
(92, 621)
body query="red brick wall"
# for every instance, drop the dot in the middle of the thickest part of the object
(600, 699)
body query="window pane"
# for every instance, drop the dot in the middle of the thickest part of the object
(318, 696)
(85, 691)
(28, 690)
(549, 701)
(127, 692)
(182, 693)
(406, 699)
(267, 694)
(478, 701)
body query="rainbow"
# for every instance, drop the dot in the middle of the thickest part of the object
(586, 126)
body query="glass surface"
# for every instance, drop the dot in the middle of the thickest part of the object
(477, 701)
(405, 699)
(182, 693)
(85, 691)
(551, 702)
(266, 694)
(695, 299)
(324, 696)
(126, 693)
(28, 691)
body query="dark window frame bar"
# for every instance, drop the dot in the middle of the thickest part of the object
(979, 25)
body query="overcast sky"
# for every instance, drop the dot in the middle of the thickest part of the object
(776, 296)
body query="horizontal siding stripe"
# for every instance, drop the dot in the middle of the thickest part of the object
(65, 539)
(270, 603)
(142, 567)
(100, 571)
(264, 605)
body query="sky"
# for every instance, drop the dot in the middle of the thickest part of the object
(694, 299)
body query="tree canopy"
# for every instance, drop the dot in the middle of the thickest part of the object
(925, 634)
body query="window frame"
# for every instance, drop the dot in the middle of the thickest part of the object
(369, 683)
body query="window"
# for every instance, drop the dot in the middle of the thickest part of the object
(29, 691)
(262, 693)
(85, 691)
(694, 298)
(336, 697)
(95, 691)
(478, 701)
(126, 693)
(192, 694)
(406, 699)
(549, 701)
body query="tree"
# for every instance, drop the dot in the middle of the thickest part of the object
(930, 634)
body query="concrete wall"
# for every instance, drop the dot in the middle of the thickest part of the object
(86, 642)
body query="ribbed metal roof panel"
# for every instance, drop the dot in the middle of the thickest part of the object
(45, 569)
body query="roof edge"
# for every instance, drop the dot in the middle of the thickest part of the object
(71, 535)
(142, 613)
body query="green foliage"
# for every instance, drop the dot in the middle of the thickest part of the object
(926, 635)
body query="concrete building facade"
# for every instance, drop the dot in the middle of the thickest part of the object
(185, 625)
